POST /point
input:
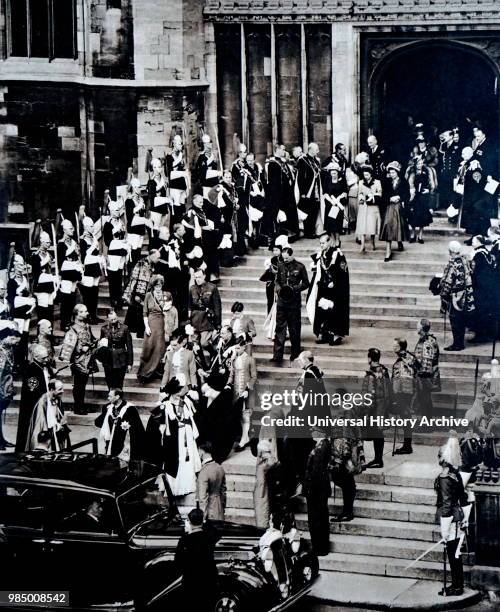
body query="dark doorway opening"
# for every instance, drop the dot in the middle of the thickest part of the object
(442, 85)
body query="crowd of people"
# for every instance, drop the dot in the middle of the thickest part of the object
(161, 246)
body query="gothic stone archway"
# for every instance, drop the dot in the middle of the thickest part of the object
(442, 81)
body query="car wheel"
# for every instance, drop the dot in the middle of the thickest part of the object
(228, 602)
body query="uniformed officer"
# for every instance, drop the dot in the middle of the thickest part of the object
(76, 349)
(450, 503)
(92, 269)
(291, 280)
(116, 351)
(70, 270)
(44, 280)
(204, 307)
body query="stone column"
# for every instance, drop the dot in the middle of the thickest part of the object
(345, 85)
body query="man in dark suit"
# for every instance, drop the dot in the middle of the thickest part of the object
(194, 558)
(309, 185)
(116, 351)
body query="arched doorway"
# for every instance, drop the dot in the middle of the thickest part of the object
(442, 84)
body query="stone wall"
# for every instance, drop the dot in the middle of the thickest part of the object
(39, 150)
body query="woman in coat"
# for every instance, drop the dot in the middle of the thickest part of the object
(396, 196)
(335, 202)
(422, 188)
(160, 320)
(369, 198)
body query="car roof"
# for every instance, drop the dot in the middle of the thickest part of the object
(76, 470)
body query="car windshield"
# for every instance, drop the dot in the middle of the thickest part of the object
(143, 502)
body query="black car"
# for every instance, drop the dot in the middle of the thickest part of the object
(107, 531)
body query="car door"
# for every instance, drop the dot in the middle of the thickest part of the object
(23, 541)
(89, 549)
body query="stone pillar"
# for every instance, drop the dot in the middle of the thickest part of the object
(319, 89)
(259, 90)
(211, 75)
(345, 85)
(289, 94)
(229, 82)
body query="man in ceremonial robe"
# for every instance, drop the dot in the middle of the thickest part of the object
(122, 431)
(328, 298)
(309, 187)
(35, 383)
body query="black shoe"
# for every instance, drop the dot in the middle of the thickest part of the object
(453, 347)
(321, 341)
(404, 450)
(478, 340)
(386, 259)
(451, 591)
(374, 464)
(412, 240)
(276, 361)
(341, 518)
(337, 341)
(400, 246)
(420, 241)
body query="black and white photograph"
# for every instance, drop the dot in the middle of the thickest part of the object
(250, 305)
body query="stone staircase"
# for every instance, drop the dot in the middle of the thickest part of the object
(394, 517)
(395, 506)
(387, 300)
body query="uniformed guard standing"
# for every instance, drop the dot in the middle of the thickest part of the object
(291, 280)
(44, 280)
(178, 178)
(70, 270)
(92, 269)
(206, 172)
(451, 498)
(118, 252)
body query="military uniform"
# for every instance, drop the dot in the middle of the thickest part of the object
(117, 256)
(205, 308)
(70, 270)
(77, 350)
(44, 284)
(292, 276)
(89, 285)
(377, 383)
(450, 499)
(206, 173)
(177, 174)
(118, 355)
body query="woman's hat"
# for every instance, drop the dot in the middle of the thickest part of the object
(367, 168)
(394, 165)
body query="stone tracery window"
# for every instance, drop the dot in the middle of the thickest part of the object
(42, 28)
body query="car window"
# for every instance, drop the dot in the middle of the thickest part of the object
(73, 511)
(22, 506)
(143, 502)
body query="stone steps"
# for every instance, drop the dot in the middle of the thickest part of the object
(365, 508)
